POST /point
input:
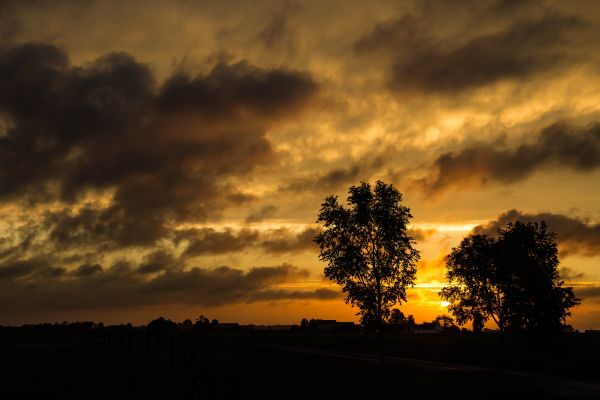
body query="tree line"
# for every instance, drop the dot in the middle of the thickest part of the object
(511, 278)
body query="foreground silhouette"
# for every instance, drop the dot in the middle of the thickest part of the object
(211, 361)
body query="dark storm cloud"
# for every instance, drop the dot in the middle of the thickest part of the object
(318, 294)
(277, 241)
(238, 88)
(558, 145)
(209, 241)
(157, 261)
(330, 180)
(517, 53)
(221, 285)
(105, 228)
(28, 269)
(166, 152)
(283, 241)
(87, 270)
(158, 155)
(20, 268)
(81, 249)
(422, 62)
(574, 236)
(122, 286)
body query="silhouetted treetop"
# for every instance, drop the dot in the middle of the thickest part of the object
(511, 278)
(160, 326)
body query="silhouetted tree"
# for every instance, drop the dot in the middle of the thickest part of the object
(474, 287)
(396, 317)
(446, 323)
(410, 321)
(202, 320)
(397, 321)
(202, 324)
(368, 250)
(187, 324)
(512, 279)
(160, 326)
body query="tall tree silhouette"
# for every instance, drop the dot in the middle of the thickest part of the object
(368, 250)
(512, 279)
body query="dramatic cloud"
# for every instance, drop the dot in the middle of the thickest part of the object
(238, 88)
(104, 228)
(281, 241)
(210, 241)
(574, 236)
(336, 178)
(154, 155)
(158, 261)
(558, 146)
(37, 250)
(274, 241)
(422, 62)
(123, 285)
(320, 294)
(165, 153)
(20, 268)
(90, 269)
(331, 180)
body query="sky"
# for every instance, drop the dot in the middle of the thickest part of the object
(170, 158)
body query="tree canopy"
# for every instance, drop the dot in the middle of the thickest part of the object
(512, 278)
(368, 249)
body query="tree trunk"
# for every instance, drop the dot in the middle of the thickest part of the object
(381, 347)
(502, 344)
(380, 323)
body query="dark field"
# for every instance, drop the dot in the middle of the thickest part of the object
(132, 364)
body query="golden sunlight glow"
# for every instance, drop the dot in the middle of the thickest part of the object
(464, 227)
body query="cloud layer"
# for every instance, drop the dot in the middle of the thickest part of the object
(520, 41)
(164, 153)
(556, 146)
(124, 285)
(574, 236)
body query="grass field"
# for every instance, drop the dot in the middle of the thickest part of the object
(299, 366)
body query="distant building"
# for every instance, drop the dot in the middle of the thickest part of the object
(268, 327)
